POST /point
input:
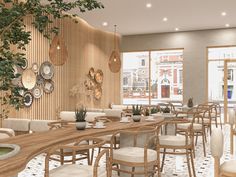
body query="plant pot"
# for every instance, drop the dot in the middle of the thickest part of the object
(136, 118)
(80, 125)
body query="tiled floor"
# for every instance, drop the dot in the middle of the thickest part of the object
(174, 166)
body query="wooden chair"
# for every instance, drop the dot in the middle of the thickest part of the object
(227, 169)
(61, 154)
(232, 122)
(75, 170)
(137, 154)
(174, 142)
(206, 111)
(197, 128)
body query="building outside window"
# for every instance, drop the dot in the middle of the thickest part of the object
(166, 81)
(216, 57)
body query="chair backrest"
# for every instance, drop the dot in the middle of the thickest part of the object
(232, 117)
(217, 143)
(135, 138)
(94, 143)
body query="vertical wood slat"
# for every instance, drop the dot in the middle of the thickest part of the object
(87, 47)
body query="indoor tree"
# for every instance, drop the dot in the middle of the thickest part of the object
(14, 35)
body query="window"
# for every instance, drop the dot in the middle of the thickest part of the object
(135, 78)
(166, 75)
(216, 57)
(166, 81)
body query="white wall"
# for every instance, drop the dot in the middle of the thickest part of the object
(195, 45)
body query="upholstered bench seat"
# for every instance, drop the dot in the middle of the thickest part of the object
(6, 133)
(134, 154)
(39, 125)
(70, 116)
(18, 125)
(113, 112)
(185, 126)
(171, 140)
(205, 120)
(228, 167)
(75, 170)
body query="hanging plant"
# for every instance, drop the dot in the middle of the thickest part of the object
(14, 35)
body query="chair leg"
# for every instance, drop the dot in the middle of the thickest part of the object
(231, 140)
(196, 138)
(88, 157)
(91, 158)
(191, 156)
(203, 143)
(188, 162)
(163, 159)
(220, 122)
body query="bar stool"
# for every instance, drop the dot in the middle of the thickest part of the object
(227, 169)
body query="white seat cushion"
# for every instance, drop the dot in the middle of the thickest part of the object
(39, 125)
(172, 140)
(16, 124)
(185, 126)
(4, 135)
(229, 167)
(205, 120)
(75, 170)
(113, 112)
(134, 154)
(107, 138)
(72, 144)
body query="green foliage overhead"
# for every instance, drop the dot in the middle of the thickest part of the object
(14, 35)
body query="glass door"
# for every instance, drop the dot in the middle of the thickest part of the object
(229, 86)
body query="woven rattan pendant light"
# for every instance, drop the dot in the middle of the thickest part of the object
(114, 61)
(58, 52)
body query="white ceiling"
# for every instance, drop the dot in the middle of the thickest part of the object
(132, 16)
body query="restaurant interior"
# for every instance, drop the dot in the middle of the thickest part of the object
(117, 88)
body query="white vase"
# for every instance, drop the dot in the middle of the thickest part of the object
(136, 118)
(80, 125)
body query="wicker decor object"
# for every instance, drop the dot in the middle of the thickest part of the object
(28, 79)
(114, 61)
(58, 52)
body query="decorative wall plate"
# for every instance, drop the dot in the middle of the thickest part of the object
(98, 93)
(91, 72)
(28, 79)
(35, 67)
(58, 53)
(25, 65)
(99, 76)
(47, 70)
(48, 86)
(40, 80)
(114, 62)
(28, 99)
(37, 92)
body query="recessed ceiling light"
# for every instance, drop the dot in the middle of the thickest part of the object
(227, 25)
(104, 24)
(176, 29)
(165, 19)
(148, 5)
(223, 13)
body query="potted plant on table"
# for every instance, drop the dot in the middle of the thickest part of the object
(190, 102)
(137, 113)
(80, 115)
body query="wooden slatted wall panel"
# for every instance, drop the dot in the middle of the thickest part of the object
(87, 47)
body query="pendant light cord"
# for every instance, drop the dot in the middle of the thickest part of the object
(115, 37)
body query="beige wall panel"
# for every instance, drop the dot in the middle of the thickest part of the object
(195, 61)
(87, 47)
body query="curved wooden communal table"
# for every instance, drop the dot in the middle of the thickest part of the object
(37, 143)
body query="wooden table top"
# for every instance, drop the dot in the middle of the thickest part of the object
(37, 143)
